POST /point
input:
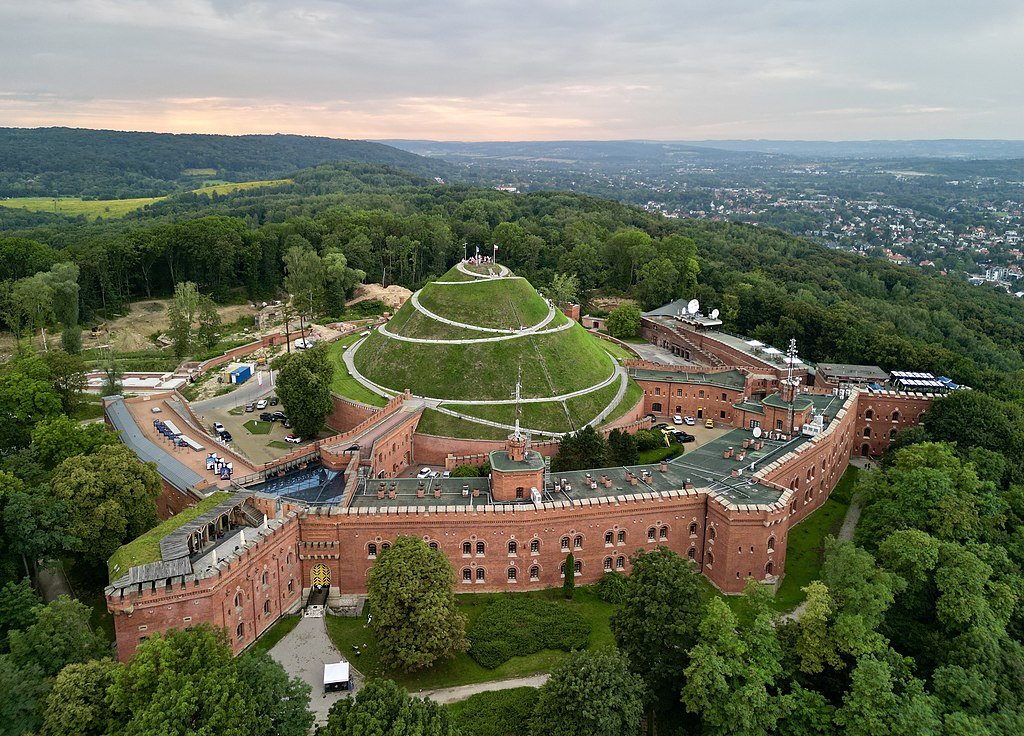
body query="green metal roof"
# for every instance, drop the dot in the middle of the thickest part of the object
(726, 379)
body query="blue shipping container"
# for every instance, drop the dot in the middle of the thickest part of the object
(241, 374)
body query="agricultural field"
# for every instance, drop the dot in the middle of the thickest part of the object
(110, 209)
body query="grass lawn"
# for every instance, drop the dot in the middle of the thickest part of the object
(74, 206)
(237, 411)
(278, 445)
(146, 548)
(487, 303)
(346, 633)
(240, 186)
(445, 425)
(633, 395)
(274, 634)
(618, 352)
(342, 383)
(255, 426)
(806, 545)
(88, 407)
(584, 408)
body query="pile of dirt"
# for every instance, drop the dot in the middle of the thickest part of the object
(608, 303)
(394, 296)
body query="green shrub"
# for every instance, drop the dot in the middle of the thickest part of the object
(466, 471)
(499, 713)
(515, 625)
(649, 439)
(611, 588)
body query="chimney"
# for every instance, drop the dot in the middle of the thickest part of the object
(437, 492)
(632, 479)
(663, 467)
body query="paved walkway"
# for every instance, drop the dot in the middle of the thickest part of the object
(303, 654)
(461, 692)
(383, 329)
(52, 581)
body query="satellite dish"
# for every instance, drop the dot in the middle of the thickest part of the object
(714, 314)
(692, 306)
(757, 433)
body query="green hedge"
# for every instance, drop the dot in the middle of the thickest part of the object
(499, 713)
(515, 625)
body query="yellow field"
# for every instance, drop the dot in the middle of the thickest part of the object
(238, 186)
(113, 208)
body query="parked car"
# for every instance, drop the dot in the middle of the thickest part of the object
(292, 438)
(274, 401)
(278, 416)
(250, 407)
(225, 435)
(266, 417)
(709, 423)
(218, 427)
(285, 423)
(446, 474)
(261, 404)
(661, 425)
(683, 437)
(425, 473)
(677, 419)
(689, 421)
(652, 417)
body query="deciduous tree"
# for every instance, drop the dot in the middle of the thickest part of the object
(590, 694)
(282, 702)
(411, 594)
(624, 321)
(59, 635)
(77, 703)
(382, 708)
(111, 499)
(304, 385)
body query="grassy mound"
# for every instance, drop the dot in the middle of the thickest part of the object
(486, 370)
(506, 304)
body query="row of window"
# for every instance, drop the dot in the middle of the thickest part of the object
(512, 573)
(610, 537)
(679, 392)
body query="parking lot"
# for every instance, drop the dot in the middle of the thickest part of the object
(255, 446)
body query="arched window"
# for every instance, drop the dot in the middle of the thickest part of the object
(371, 550)
(433, 546)
(561, 569)
(869, 414)
(663, 533)
(520, 491)
(511, 574)
(385, 546)
(263, 580)
(534, 546)
(771, 544)
(479, 574)
(240, 630)
(578, 567)
(607, 564)
(289, 558)
(534, 573)
(609, 537)
(769, 569)
(620, 563)
(709, 559)
(467, 548)
(266, 607)
(712, 534)
(867, 431)
(512, 547)
(693, 528)
(577, 543)
(565, 544)
(467, 575)
(479, 548)
(651, 533)
(238, 600)
(656, 407)
(622, 536)
(692, 553)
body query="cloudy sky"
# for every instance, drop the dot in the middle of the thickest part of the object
(519, 69)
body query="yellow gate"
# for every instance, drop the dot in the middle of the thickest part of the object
(321, 576)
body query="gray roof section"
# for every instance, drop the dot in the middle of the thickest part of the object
(669, 310)
(175, 544)
(173, 471)
(500, 461)
(850, 372)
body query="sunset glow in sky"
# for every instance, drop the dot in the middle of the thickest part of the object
(530, 70)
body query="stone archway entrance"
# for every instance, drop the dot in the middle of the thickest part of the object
(321, 576)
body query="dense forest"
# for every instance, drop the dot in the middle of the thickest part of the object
(107, 164)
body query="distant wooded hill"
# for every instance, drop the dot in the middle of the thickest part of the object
(107, 164)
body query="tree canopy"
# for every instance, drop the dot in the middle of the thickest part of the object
(411, 596)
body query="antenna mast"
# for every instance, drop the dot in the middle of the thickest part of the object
(791, 382)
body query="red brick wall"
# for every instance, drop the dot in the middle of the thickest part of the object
(889, 412)
(139, 616)
(690, 402)
(346, 413)
(393, 452)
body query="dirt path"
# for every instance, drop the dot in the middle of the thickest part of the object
(461, 692)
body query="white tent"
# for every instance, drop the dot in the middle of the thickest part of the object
(336, 676)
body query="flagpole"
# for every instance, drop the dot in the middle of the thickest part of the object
(495, 258)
